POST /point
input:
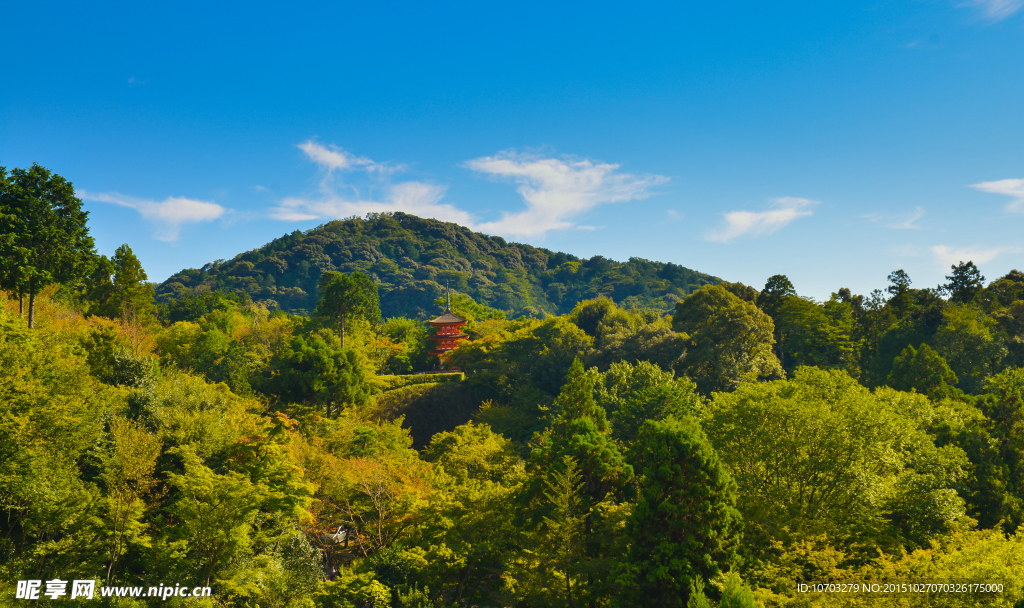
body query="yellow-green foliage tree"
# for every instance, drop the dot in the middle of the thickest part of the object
(821, 454)
(467, 533)
(51, 414)
(128, 467)
(164, 477)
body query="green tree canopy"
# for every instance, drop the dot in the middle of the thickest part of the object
(580, 429)
(965, 283)
(588, 314)
(1003, 403)
(685, 524)
(316, 371)
(970, 341)
(925, 371)
(730, 340)
(776, 289)
(14, 261)
(347, 295)
(100, 287)
(1004, 290)
(821, 454)
(741, 291)
(131, 295)
(467, 529)
(635, 335)
(564, 527)
(43, 233)
(635, 393)
(899, 289)
(810, 333)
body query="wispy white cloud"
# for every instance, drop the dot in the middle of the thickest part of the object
(338, 199)
(909, 221)
(672, 216)
(906, 221)
(167, 215)
(1010, 187)
(415, 198)
(785, 210)
(332, 158)
(948, 256)
(996, 10)
(558, 190)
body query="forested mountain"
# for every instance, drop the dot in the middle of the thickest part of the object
(410, 258)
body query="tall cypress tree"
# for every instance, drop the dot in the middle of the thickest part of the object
(685, 524)
(43, 234)
(14, 258)
(581, 430)
(776, 290)
(580, 433)
(965, 283)
(132, 295)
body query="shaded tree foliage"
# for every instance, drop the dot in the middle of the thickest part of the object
(317, 371)
(685, 524)
(728, 340)
(925, 371)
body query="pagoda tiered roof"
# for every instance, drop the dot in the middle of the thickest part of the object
(447, 319)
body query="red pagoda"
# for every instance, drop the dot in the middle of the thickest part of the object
(448, 333)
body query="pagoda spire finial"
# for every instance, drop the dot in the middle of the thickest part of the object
(447, 297)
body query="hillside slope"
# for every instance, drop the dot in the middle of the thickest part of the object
(410, 258)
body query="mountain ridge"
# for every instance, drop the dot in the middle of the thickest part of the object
(410, 258)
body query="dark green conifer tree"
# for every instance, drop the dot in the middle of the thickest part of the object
(43, 234)
(899, 289)
(925, 371)
(965, 283)
(685, 524)
(580, 429)
(130, 293)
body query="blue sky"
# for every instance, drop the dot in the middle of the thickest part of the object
(831, 142)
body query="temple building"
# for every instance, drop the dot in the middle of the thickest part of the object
(448, 332)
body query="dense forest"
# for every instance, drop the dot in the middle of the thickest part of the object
(610, 451)
(411, 258)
